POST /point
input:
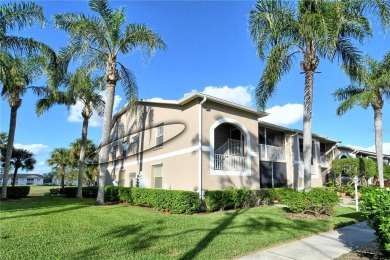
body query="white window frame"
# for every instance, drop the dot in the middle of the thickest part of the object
(159, 133)
(154, 166)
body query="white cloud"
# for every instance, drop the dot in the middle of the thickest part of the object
(386, 148)
(240, 94)
(95, 120)
(36, 149)
(284, 115)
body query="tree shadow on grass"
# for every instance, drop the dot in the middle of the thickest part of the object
(140, 238)
(202, 244)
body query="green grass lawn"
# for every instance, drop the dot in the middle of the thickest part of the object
(61, 228)
(38, 190)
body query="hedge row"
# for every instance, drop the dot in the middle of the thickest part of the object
(71, 192)
(376, 204)
(238, 198)
(17, 192)
(175, 201)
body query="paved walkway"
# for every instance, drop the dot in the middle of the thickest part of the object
(327, 245)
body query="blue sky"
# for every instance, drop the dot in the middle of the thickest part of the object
(209, 50)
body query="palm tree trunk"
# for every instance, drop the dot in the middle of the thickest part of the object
(10, 145)
(112, 77)
(62, 176)
(379, 144)
(15, 173)
(307, 129)
(84, 134)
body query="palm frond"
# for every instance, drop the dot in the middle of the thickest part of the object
(129, 85)
(279, 62)
(140, 36)
(20, 15)
(270, 23)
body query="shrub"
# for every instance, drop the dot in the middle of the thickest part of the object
(376, 205)
(111, 193)
(17, 192)
(318, 201)
(175, 201)
(88, 192)
(238, 198)
(57, 191)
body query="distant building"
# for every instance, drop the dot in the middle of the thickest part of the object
(24, 179)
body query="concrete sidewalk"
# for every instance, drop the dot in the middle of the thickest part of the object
(327, 245)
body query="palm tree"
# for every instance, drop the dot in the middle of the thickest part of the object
(80, 87)
(60, 158)
(80, 148)
(99, 40)
(16, 76)
(369, 87)
(314, 29)
(22, 159)
(18, 16)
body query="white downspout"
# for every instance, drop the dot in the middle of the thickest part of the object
(200, 148)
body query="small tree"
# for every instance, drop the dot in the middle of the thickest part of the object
(363, 168)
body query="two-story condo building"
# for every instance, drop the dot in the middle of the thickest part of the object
(202, 143)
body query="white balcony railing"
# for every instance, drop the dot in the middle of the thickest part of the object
(231, 147)
(229, 162)
(272, 153)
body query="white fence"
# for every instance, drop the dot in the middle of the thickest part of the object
(229, 162)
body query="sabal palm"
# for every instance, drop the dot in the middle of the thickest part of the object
(79, 87)
(99, 40)
(370, 87)
(16, 76)
(313, 30)
(22, 159)
(60, 159)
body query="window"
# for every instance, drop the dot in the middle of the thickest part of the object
(159, 136)
(124, 152)
(30, 181)
(122, 179)
(157, 176)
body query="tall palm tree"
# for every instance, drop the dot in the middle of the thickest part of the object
(370, 87)
(22, 159)
(313, 30)
(60, 159)
(99, 40)
(16, 76)
(83, 88)
(18, 16)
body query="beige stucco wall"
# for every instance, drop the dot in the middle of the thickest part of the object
(178, 153)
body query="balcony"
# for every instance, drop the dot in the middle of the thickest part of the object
(229, 162)
(272, 153)
(230, 156)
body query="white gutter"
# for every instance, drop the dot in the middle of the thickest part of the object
(200, 147)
